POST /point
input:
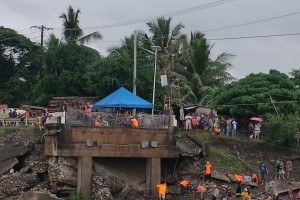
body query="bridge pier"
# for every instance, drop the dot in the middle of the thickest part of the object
(153, 174)
(84, 175)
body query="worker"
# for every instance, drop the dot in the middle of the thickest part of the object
(201, 189)
(244, 194)
(134, 122)
(98, 120)
(184, 186)
(254, 179)
(216, 192)
(208, 171)
(162, 190)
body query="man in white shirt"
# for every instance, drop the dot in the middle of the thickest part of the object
(188, 123)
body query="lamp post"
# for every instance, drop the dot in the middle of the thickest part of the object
(155, 49)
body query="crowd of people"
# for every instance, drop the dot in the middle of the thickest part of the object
(244, 184)
(215, 125)
(13, 113)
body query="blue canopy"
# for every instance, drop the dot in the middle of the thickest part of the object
(122, 98)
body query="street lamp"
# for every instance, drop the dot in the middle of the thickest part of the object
(155, 49)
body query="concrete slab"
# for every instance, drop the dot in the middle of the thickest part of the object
(220, 176)
(283, 186)
(6, 165)
(187, 147)
(11, 151)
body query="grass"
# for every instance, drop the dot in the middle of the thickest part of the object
(8, 130)
(225, 159)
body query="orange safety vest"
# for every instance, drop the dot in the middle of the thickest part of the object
(134, 122)
(207, 169)
(162, 189)
(184, 183)
(254, 178)
(239, 178)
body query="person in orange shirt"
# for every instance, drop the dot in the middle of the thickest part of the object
(162, 190)
(184, 186)
(134, 122)
(88, 115)
(208, 172)
(254, 179)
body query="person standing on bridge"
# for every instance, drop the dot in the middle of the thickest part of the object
(208, 172)
(134, 122)
(88, 115)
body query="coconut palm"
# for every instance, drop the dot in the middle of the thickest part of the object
(72, 32)
(206, 73)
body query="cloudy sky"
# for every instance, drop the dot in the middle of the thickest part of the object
(253, 55)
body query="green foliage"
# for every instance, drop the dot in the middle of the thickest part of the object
(65, 75)
(225, 159)
(76, 196)
(252, 95)
(19, 68)
(281, 130)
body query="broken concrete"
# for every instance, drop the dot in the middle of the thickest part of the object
(187, 147)
(220, 176)
(6, 165)
(11, 151)
(283, 186)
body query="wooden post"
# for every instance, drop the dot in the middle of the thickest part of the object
(84, 175)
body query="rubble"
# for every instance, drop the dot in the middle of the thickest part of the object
(16, 183)
(38, 195)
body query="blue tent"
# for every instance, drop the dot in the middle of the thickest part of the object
(122, 98)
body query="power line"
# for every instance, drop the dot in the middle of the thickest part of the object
(254, 104)
(256, 36)
(171, 14)
(253, 22)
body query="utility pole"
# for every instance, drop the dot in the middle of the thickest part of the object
(42, 28)
(134, 65)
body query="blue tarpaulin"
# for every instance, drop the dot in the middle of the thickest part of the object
(122, 98)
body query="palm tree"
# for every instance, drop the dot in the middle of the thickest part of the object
(72, 32)
(172, 43)
(206, 74)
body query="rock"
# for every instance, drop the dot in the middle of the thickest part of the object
(6, 165)
(38, 195)
(38, 164)
(103, 193)
(105, 185)
(62, 171)
(25, 170)
(283, 186)
(16, 183)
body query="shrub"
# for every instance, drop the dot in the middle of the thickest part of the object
(281, 130)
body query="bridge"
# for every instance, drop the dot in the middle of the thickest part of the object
(86, 143)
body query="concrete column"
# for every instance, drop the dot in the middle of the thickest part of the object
(148, 173)
(84, 175)
(155, 174)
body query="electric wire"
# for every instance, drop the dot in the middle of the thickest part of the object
(252, 22)
(143, 20)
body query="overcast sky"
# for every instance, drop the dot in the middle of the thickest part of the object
(252, 55)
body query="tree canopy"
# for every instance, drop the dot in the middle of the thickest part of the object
(258, 94)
